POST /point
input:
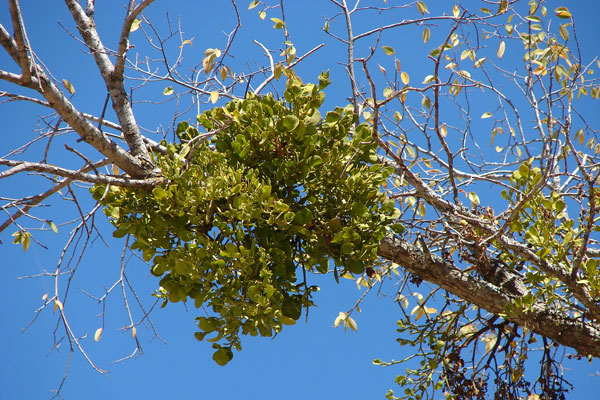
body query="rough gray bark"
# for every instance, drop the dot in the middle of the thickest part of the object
(581, 336)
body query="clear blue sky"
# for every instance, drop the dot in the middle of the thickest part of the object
(309, 360)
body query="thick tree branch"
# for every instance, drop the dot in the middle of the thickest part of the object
(113, 79)
(575, 333)
(22, 166)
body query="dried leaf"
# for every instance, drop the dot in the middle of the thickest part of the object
(214, 96)
(133, 332)
(58, 305)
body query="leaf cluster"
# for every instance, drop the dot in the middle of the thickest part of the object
(278, 190)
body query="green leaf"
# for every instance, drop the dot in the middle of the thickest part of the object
(53, 227)
(279, 24)
(388, 50)
(290, 122)
(26, 240)
(159, 193)
(168, 91)
(223, 356)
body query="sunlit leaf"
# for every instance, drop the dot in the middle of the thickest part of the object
(279, 24)
(186, 41)
(214, 96)
(133, 332)
(98, 335)
(253, 4)
(443, 131)
(562, 12)
(480, 62)
(168, 91)
(422, 8)
(426, 35)
(53, 227)
(58, 305)
(486, 115)
(404, 78)
(350, 323)
(501, 49)
(564, 33)
(388, 50)
(69, 86)
(135, 25)
(474, 199)
(455, 11)
(339, 319)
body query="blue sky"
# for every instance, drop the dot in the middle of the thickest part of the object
(307, 360)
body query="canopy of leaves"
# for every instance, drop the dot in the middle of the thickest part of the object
(278, 189)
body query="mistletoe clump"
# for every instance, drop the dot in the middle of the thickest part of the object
(278, 191)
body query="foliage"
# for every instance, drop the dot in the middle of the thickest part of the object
(277, 190)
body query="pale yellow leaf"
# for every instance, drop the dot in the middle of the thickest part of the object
(135, 25)
(405, 78)
(98, 335)
(501, 49)
(214, 96)
(45, 296)
(455, 11)
(133, 332)
(339, 319)
(350, 323)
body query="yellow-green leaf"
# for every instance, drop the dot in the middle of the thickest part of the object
(474, 199)
(253, 4)
(405, 78)
(53, 227)
(168, 91)
(564, 33)
(563, 12)
(388, 50)
(486, 115)
(422, 8)
(279, 24)
(69, 86)
(262, 14)
(426, 35)
(350, 323)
